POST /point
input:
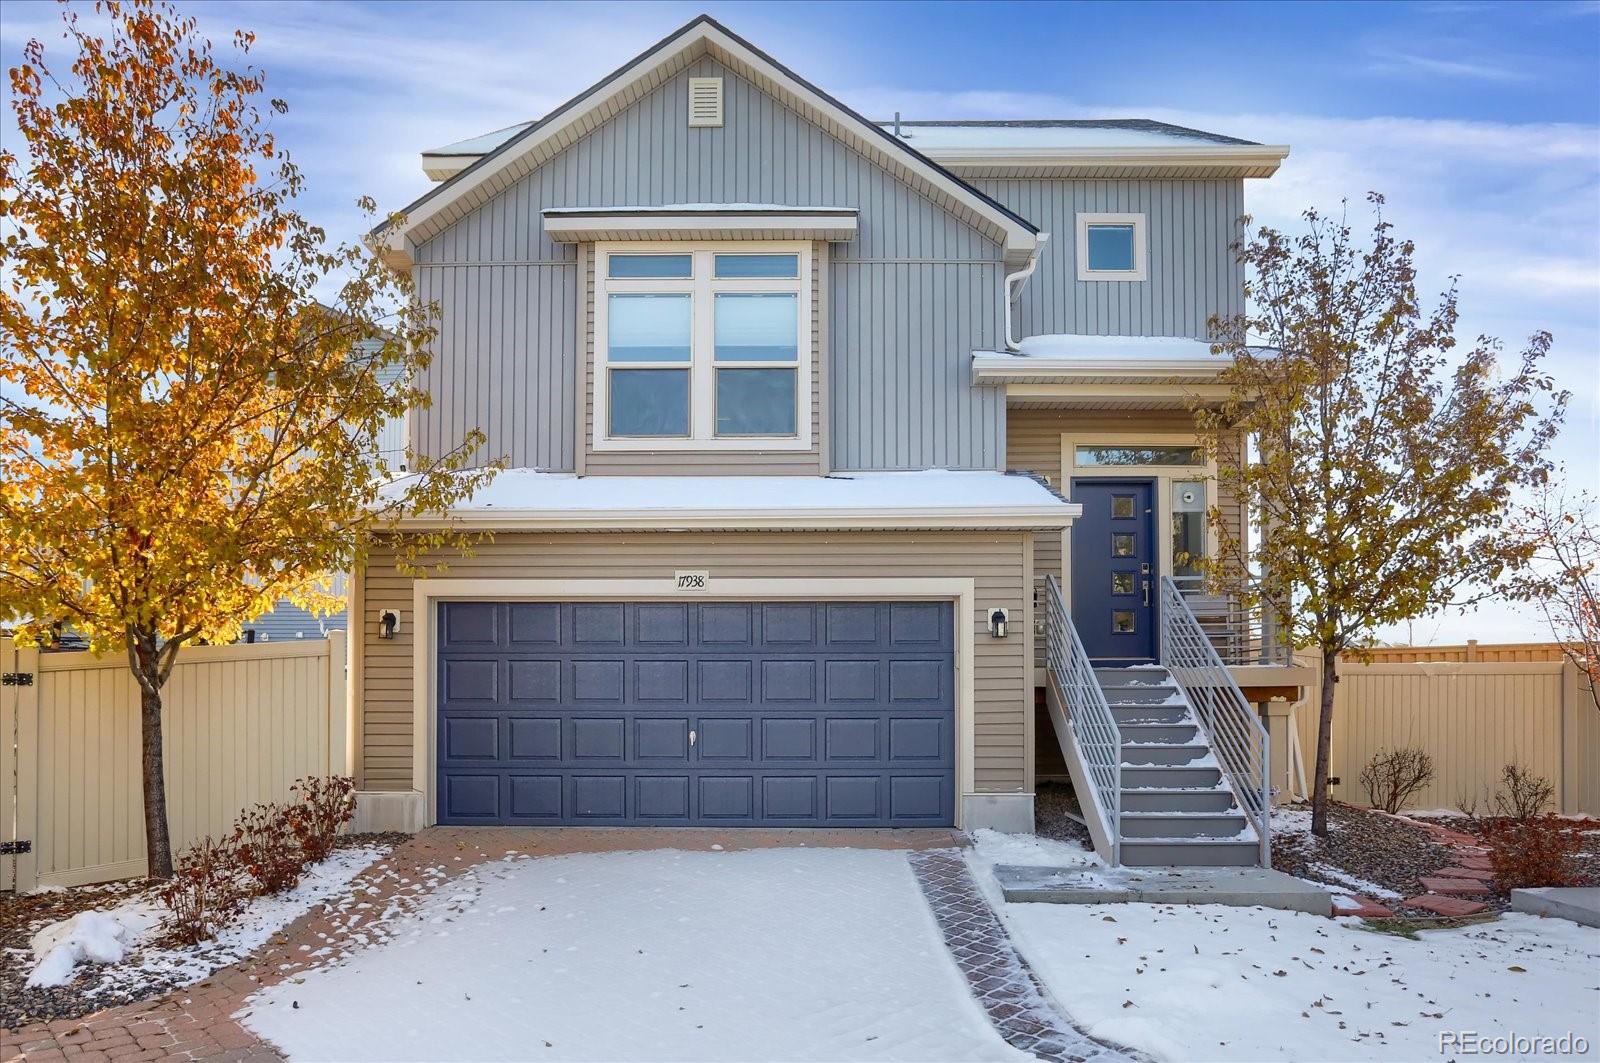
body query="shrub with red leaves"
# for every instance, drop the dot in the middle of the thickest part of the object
(204, 893)
(268, 851)
(1536, 851)
(321, 808)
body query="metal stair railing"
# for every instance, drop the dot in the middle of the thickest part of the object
(1232, 727)
(1093, 724)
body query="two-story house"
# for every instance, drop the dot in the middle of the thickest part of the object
(841, 454)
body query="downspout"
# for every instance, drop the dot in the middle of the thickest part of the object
(1014, 284)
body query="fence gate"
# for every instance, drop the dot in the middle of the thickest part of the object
(19, 760)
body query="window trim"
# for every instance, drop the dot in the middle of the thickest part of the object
(703, 286)
(1141, 248)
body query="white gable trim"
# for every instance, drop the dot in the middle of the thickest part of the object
(495, 172)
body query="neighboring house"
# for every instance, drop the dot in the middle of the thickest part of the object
(289, 621)
(783, 492)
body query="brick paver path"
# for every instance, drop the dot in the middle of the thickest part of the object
(1001, 980)
(197, 1022)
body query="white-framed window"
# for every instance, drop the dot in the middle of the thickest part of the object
(1112, 247)
(702, 346)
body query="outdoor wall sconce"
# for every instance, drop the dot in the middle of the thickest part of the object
(997, 623)
(388, 623)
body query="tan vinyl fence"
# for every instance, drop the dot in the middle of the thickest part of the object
(1474, 709)
(241, 723)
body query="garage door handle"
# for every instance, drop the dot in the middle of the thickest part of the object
(691, 739)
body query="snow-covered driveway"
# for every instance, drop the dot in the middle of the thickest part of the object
(762, 954)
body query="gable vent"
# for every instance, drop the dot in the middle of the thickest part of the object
(705, 102)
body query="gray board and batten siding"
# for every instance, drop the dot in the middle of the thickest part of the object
(907, 301)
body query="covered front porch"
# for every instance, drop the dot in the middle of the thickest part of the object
(1154, 681)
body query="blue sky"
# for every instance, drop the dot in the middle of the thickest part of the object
(1480, 122)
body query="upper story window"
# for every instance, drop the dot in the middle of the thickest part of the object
(702, 349)
(1112, 247)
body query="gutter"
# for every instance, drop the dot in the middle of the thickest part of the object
(1020, 280)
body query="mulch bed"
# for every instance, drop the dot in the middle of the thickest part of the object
(1054, 806)
(1376, 848)
(23, 916)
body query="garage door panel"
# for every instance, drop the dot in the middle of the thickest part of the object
(682, 713)
(534, 680)
(536, 797)
(535, 738)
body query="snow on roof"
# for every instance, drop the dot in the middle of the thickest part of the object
(999, 496)
(1057, 133)
(1105, 348)
(1050, 133)
(480, 145)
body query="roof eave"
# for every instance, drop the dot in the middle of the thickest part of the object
(993, 368)
(1254, 160)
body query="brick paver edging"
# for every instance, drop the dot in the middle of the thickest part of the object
(1000, 978)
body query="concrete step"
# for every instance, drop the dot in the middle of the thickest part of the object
(1150, 713)
(1223, 827)
(1162, 776)
(1174, 755)
(1142, 695)
(1188, 852)
(1177, 734)
(1139, 674)
(1166, 799)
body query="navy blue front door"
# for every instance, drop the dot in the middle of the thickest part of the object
(1113, 569)
(697, 713)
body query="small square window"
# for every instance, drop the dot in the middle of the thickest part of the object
(1122, 622)
(1122, 583)
(1121, 544)
(1112, 247)
(1121, 506)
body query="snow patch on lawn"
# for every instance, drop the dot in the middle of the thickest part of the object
(1212, 982)
(661, 955)
(1355, 882)
(123, 939)
(89, 937)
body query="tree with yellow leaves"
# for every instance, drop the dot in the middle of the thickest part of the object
(186, 435)
(1386, 461)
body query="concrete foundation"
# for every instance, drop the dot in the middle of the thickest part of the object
(1581, 904)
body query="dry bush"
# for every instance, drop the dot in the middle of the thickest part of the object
(268, 851)
(204, 893)
(1532, 851)
(322, 807)
(1522, 794)
(1392, 776)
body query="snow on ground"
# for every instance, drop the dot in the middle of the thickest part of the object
(765, 954)
(89, 937)
(122, 938)
(1355, 882)
(1211, 982)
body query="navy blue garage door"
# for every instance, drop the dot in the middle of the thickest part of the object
(705, 713)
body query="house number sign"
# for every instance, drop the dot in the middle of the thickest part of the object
(692, 581)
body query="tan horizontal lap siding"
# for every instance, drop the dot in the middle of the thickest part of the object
(995, 561)
(704, 463)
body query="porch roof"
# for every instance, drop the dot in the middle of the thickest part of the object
(532, 499)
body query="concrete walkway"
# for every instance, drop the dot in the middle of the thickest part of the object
(1240, 887)
(1581, 904)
